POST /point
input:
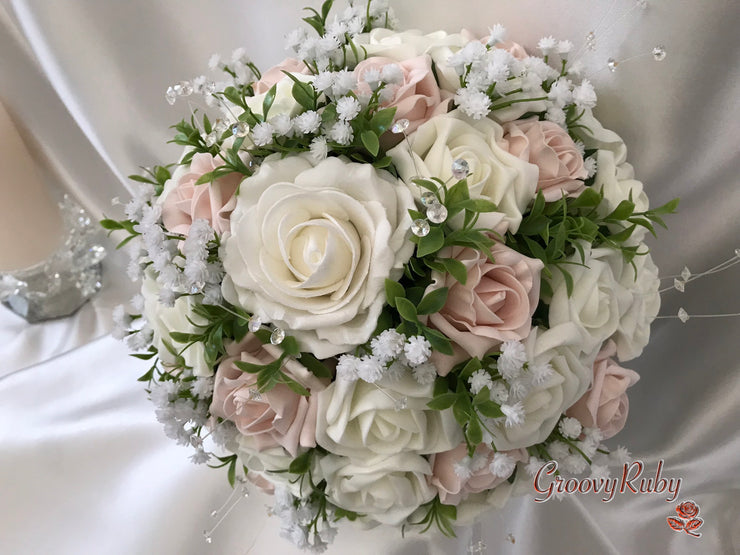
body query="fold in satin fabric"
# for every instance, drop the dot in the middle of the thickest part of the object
(86, 468)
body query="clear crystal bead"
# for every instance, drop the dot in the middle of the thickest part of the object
(420, 228)
(171, 95)
(197, 287)
(255, 323)
(612, 64)
(591, 40)
(683, 315)
(460, 168)
(214, 513)
(185, 88)
(277, 336)
(211, 138)
(428, 198)
(510, 538)
(685, 273)
(437, 213)
(400, 126)
(207, 537)
(402, 403)
(255, 394)
(679, 285)
(220, 126)
(659, 53)
(245, 491)
(209, 87)
(240, 129)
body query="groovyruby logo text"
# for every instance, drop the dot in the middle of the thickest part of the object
(634, 479)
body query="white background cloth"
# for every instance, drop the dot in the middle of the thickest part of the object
(85, 468)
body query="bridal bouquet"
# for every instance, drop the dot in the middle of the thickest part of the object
(393, 275)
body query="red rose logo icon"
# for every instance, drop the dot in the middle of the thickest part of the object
(688, 520)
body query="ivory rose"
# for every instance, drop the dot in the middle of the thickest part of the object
(642, 284)
(549, 147)
(279, 416)
(495, 174)
(494, 305)
(178, 318)
(453, 488)
(358, 419)
(311, 247)
(386, 489)
(597, 301)
(417, 98)
(605, 405)
(184, 201)
(544, 403)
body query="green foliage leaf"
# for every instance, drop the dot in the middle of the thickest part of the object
(269, 100)
(442, 402)
(370, 142)
(456, 269)
(431, 242)
(438, 341)
(406, 309)
(393, 289)
(433, 301)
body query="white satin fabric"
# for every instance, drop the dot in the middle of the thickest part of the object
(85, 468)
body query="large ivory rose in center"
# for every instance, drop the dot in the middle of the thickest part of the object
(310, 248)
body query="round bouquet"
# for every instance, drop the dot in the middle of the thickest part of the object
(393, 275)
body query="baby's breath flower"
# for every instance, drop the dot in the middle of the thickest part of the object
(558, 450)
(514, 414)
(462, 468)
(323, 81)
(564, 47)
(575, 463)
(417, 350)
(262, 134)
(600, 472)
(547, 44)
(478, 380)
(474, 103)
(570, 427)
(387, 345)
(533, 465)
(590, 165)
(347, 108)
(392, 74)
(282, 125)
(499, 392)
(347, 367)
(344, 81)
(425, 373)
(541, 373)
(620, 455)
(502, 465)
(341, 132)
(512, 359)
(371, 76)
(307, 122)
(319, 149)
(584, 95)
(369, 369)
(496, 34)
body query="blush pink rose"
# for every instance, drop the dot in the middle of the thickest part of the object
(279, 416)
(275, 74)
(188, 202)
(513, 48)
(549, 147)
(605, 404)
(451, 487)
(417, 98)
(495, 304)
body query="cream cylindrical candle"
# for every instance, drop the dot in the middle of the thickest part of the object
(30, 221)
